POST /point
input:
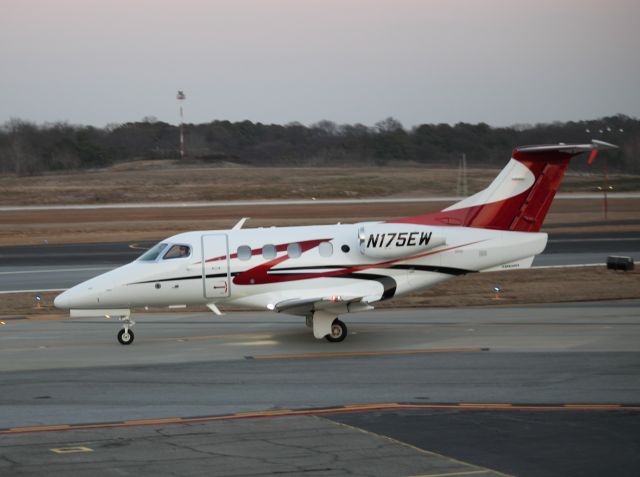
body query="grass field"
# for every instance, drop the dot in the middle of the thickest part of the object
(171, 181)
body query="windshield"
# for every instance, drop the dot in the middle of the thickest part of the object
(177, 251)
(153, 253)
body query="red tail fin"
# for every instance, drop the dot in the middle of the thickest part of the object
(520, 196)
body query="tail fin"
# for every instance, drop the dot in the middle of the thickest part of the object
(519, 198)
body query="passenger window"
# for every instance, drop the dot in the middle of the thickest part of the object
(294, 250)
(325, 249)
(269, 252)
(178, 251)
(244, 252)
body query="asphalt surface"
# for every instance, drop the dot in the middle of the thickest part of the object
(188, 376)
(519, 442)
(56, 267)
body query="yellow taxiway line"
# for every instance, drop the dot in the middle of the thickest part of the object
(469, 407)
(350, 354)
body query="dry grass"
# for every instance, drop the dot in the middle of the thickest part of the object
(546, 285)
(171, 181)
(163, 182)
(551, 286)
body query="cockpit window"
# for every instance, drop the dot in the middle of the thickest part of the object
(178, 251)
(153, 253)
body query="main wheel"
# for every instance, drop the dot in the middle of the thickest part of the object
(338, 331)
(125, 337)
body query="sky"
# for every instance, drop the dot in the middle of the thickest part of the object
(502, 62)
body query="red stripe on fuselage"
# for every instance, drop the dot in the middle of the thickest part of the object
(260, 275)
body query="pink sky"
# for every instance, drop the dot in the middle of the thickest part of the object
(497, 61)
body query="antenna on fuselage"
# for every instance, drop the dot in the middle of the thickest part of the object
(240, 223)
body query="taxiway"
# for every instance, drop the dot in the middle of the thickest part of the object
(257, 394)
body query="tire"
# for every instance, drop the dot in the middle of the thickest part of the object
(338, 331)
(125, 338)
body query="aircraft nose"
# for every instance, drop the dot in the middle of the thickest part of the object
(62, 300)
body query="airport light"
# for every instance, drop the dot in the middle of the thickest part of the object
(497, 290)
(181, 97)
(605, 171)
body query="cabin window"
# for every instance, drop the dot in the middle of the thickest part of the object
(178, 251)
(345, 248)
(268, 252)
(325, 249)
(294, 250)
(244, 252)
(153, 253)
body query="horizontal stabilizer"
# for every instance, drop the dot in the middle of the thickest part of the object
(569, 148)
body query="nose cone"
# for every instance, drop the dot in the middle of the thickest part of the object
(77, 297)
(62, 300)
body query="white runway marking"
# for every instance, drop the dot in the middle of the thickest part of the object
(6, 292)
(604, 239)
(257, 203)
(93, 269)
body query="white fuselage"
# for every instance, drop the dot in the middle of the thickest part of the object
(371, 261)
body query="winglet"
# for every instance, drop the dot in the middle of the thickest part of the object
(597, 146)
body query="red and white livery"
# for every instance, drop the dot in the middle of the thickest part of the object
(321, 272)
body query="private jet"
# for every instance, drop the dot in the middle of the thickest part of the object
(326, 271)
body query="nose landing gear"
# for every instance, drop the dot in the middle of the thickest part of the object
(125, 335)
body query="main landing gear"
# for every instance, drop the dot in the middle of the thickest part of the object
(125, 335)
(326, 325)
(338, 331)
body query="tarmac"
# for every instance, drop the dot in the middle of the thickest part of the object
(528, 390)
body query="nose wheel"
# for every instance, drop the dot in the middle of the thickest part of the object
(125, 335)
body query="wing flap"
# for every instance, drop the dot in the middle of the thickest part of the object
(332, 304)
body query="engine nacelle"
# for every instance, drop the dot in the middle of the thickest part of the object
(396, 240)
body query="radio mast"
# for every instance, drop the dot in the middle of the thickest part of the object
(181, 97)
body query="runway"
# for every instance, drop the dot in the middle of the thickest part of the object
(171, 400)
(56, 267)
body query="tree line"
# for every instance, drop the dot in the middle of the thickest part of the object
(27, 148)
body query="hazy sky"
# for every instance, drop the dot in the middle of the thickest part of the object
(498, 61)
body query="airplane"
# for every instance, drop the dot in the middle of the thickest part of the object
(322, 272)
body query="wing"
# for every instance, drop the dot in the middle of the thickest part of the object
(334, 304)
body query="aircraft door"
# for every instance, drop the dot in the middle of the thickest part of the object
(216, 273)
